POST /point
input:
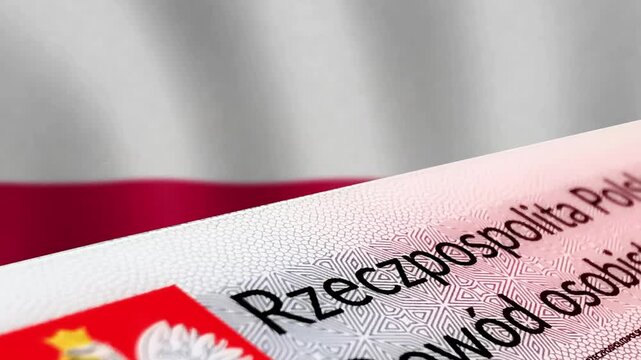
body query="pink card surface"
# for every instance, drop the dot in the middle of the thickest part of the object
(533, 253)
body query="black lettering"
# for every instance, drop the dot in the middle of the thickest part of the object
(415, 354)
(585, 279)
(401, 272)
(436, 275)
(514, 244)
(575, 214)
(632, 256)
(527, 218)
(516, 307)
(550, 212)
(471, 259)
(513, 341)
(490, 254)
(546, 297)
(360, 275)
(275, 310)
(532, 235)
(318, 311)
(624, 189)
(631, 182)
(617, 197)
(589, 197)
(621, 279)
(337, 294)
(595, 300)
(457, 345)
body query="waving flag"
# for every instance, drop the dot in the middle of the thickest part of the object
(119, 117)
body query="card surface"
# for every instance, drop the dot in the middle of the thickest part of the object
(533, 253)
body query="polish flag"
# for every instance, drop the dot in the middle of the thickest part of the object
(118, 117)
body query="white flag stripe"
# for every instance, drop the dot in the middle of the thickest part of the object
(281, 90)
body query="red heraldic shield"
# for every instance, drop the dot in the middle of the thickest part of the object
(161, 324)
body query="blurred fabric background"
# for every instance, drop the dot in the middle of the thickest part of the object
(123, 116)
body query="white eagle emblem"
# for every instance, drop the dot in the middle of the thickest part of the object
(163, 342)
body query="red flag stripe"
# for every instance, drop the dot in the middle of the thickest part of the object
(38, 219)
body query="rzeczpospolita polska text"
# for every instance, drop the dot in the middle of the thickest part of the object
(527, 223)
